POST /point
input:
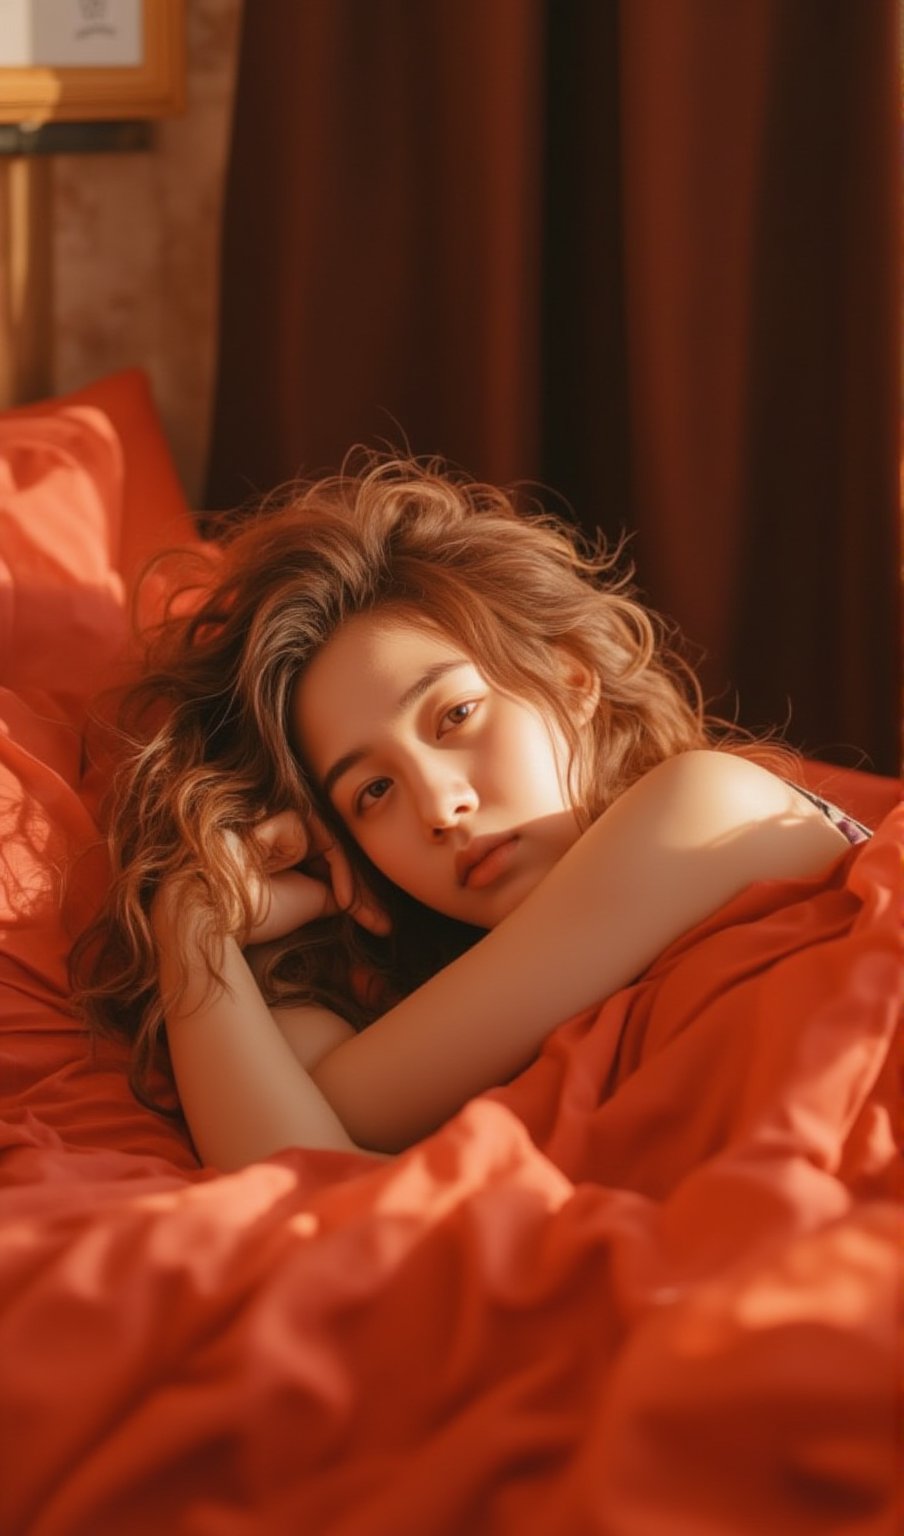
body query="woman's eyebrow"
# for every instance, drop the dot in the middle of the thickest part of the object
(411, 695)
(426, 681)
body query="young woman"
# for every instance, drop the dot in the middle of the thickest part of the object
(414, 781)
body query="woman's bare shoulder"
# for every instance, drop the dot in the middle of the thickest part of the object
(679, 843)
(708, 798)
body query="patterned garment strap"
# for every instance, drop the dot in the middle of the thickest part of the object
(853, 830)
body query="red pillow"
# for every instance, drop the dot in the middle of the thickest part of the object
(88, 492)
(154, 512)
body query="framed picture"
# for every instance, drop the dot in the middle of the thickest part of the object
(89, 60)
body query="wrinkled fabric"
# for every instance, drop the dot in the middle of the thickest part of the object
(649, 1288)
(651, 1285)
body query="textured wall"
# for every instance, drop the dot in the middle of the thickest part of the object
(136, 247)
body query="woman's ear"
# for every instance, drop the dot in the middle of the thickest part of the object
(582, 683)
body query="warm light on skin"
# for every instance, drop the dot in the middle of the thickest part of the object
(418, 779)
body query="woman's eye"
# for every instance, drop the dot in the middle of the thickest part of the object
(371, 793)
(459, 713)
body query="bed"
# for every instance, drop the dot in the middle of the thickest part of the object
(650, 1288)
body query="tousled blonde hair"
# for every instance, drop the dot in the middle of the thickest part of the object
(203, 736)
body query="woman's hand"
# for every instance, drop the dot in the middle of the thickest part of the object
(306, 875)
(241, 1075)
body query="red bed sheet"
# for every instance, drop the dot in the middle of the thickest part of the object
(650, 1288)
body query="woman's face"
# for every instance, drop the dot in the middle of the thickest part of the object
(455, 790)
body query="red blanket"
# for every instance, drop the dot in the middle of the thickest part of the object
(650, 1288)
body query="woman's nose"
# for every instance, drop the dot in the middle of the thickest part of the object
(443, 801)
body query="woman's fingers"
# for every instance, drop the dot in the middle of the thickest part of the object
(283, 839)
(370, 915)
(296, 899)
(328, 883)
(341, 877)
(351, 897)
(291, 900)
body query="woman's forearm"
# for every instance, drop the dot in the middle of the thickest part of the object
(243, 1090)
(682, 841)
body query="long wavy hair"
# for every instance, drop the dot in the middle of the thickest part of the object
(203, 737)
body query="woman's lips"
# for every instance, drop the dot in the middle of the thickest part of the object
(493, 864)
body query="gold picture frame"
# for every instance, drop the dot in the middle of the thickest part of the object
(153, 88)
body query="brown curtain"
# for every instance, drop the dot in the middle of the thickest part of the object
(645, 253)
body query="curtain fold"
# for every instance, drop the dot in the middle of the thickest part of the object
(381, 242)
(647, 255)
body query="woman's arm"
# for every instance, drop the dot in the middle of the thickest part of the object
(680, 843)
(243, 1087)
(677, 845)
